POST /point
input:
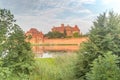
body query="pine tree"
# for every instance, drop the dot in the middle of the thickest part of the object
(103, 37)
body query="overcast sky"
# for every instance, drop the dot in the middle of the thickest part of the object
(44, 14)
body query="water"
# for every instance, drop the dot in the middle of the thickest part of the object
(67, 48)
(53, 51)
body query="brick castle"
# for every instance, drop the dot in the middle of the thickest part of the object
(68, 29)
(37, 37)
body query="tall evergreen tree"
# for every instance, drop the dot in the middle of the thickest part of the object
(15, 52)
(103, 37)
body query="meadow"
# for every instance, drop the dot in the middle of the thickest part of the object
(58, 68)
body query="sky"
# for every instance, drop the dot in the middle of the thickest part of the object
(44, 14)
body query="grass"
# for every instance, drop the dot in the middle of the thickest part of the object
(59, 68)
(49, 61)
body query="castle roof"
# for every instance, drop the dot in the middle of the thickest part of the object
(34, 32)
(76, 28)
(58, 28)
(68, 28)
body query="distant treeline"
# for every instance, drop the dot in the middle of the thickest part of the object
(56, 34)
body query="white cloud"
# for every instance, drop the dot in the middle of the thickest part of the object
(112, 4)
(86, 1)
(110, 1)
(43, 23)
(42, 14)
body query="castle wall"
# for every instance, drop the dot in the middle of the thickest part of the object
(71, 44)
(65, 41)
(42, 44)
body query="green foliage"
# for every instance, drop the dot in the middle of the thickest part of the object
(105, 33)
(19, 54)
(105, 68)
(76, 35)
(103, 37)
(5, 72)
(55, 35)
(60, 68)
(5, 23)
(29, 37)
(15, 53)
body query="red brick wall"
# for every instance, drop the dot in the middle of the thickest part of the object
(65, 41)
(73, 47)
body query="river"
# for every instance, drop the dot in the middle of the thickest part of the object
(53, 51)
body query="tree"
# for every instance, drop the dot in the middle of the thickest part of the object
(15, 53)
(76, 35)
(103, 37)
(55, 35)
(19, 55)
(105, 68)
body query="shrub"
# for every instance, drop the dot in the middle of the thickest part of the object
(105, 68)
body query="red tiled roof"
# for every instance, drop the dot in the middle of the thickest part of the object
(76, 28)
(58, 28)
(68, 28)
(33, 30)
(35, 33)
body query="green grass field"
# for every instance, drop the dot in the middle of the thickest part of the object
(60, 68)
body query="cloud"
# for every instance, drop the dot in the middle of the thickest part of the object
(31, 6)
(110, 1)
(45, 23)
(86, 1)
(43, 14)
(112, 4)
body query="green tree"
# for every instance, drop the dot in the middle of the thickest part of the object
(76, 35)
(19, 56)
(15, 53)
(105, 68)
(103, 37)
(55, 35)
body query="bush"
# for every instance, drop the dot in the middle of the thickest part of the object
(105, 68)
(60, 68)
(55, 35)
